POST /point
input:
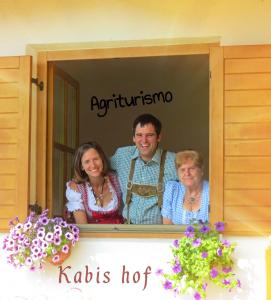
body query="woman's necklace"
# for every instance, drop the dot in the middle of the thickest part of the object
(192, 199)
(99, 197)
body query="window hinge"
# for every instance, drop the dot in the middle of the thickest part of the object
(39, 84)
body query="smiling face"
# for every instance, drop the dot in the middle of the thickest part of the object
(190, 174)
(146, 140)
(92, 163)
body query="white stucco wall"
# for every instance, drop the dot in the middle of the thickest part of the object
(34, 22)
(70, 21)
(136, 255)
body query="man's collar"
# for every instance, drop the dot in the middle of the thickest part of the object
(156, 157)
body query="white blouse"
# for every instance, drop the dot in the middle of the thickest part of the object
(75, 200)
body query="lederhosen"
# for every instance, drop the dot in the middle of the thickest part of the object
(144, 190)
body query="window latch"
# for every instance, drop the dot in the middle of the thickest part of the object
(39, 84)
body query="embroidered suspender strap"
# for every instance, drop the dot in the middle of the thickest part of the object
(115, 183)
(83, 190)
(160, 187)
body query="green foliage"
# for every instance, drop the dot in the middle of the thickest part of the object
(200, 257)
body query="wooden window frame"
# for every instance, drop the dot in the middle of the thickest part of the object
(216, 121)
(52, 69)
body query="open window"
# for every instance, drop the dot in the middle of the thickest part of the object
(63, 105)
(180, 75)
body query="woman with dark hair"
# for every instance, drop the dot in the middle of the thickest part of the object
(94, 195)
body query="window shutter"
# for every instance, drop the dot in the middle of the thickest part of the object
(247, 139)
(15, 78)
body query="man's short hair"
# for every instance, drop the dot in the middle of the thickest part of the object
(147, 119)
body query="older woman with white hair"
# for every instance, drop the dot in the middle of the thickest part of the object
(187, 200)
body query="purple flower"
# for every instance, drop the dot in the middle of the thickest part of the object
(75, 237)
(226, 243)
(219, 252)
(49, 236)
(204, 229)
(35, 242)
(197, 296)
(11, 222)
(10, 243)
(55, 258)
(57, 227)
(204, 254)
(69, 235)
(58, 232)
(44, 245)
(74, 228)
(32, 268)
(159, 272)
(214, 273)
(15, 235)
(219, 226)
(21, 238)
(19, 226)
(44, 220)
(63, 224)
(167, 285)
(57, 240)
(238, 283)
(196, 243)
(28, 261)
(177, 268)
(36, 250)
(41, 234)
(27, 226)
(204, 286)
(57, 220)
(30, 242)
(226, 281)
(176, 243)
(226, 269)
(26, 242)
(34, 256)
(65, 249)
(190, 231)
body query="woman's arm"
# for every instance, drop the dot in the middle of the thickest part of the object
(166, 211)
(80, 217)
(79, 214)
(167, 221)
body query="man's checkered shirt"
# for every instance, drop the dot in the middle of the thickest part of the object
(142, 210)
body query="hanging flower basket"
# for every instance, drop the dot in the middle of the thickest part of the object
(200, 257)
(39, 239)
(59, 257)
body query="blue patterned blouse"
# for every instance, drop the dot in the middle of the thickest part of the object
(173, 204)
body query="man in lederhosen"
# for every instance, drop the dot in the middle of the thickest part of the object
(143, 170)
